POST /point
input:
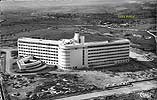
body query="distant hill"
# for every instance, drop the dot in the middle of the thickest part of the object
(144, 9)
(140, 8)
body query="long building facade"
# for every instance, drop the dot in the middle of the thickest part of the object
(76, 53)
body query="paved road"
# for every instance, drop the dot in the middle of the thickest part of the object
(1, 89)
(1, 96)
(9, 60)
(146, 85)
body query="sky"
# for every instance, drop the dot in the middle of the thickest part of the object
(77, 0)
(6, 4)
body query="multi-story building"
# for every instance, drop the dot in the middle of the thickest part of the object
(77, 52)
(46, 50)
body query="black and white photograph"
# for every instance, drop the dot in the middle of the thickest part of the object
(78, 49)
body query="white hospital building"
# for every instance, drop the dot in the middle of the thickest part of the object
(77, 52)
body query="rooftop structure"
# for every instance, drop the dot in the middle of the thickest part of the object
(84, 50)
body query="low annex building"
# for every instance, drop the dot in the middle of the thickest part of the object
(84, 50)
(29, 64)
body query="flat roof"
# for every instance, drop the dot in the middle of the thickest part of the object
(106, 42)
(67, 32)
(88, 38)
(98, 37)
(39, 40)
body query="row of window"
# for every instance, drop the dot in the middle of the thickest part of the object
(108, 52)
(21, 53)
(30, 49)
(112, 48)
(64, 64)
(106, 63)
(70, 67)
(65, 58)
(67, 67)
(115, 57)
(48, 59)
(64, 51)
(64, 55)
(46, 47)
(118, 59)
(37, 43)
(50, 62)
(54, 54)
(122, 61)
(101, 66)
(64, 61)
(112, 44)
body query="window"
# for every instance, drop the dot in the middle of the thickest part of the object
(37, 43)
(109, 60)
(110, 48)
(110, 54)
(107, 51)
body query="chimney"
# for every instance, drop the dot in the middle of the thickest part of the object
(82, 39)
(77, 37)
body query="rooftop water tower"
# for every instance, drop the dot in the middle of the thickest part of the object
(82, 39)
(77, 37)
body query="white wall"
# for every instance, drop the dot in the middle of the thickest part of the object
(76, 58)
